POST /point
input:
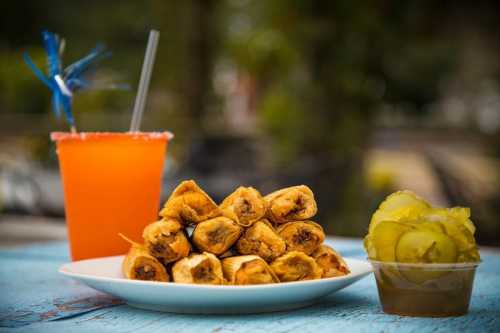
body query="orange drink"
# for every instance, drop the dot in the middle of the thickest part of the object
(112, 185)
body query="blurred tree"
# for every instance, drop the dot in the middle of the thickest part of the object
(324, 69)
(180, 92)
(319, 73)
(202, 42)
(317, 92)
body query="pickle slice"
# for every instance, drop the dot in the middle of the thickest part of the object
(463, 239)
(399, 205)
(458, 214)
(407, 229)
(462, 214)
(384, 238)
(425, 246)
(459, 228)
(430, 226)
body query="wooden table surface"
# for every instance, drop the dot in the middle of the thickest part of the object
(35, 298)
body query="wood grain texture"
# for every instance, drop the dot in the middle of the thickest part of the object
(30, 282)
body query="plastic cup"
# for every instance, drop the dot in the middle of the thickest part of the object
(424, 290)
(112, 184)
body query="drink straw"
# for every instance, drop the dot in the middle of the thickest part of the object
(142, 91)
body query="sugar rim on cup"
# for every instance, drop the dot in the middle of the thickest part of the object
(62, 136)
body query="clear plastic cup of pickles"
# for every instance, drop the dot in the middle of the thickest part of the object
(424, 290)
(424, 258)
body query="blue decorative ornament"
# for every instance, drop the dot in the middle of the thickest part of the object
(64, 82)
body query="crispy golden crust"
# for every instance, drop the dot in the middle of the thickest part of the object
(216, 235)
(330, 261)
(303, 236)
(251, 269)
(140, 265)
(261, 239)
(204, 268)
(296, 266)
(189, 204)
(248, 239)
(244, 206)
(291, 204)
(166, 240)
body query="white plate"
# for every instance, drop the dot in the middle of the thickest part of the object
(104, 274)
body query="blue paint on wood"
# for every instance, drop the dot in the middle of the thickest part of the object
(31, 290)
(34, 285)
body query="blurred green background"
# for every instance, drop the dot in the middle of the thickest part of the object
(355, 99)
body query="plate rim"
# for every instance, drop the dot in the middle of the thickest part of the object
(65, 270)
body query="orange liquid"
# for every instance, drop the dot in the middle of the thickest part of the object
(112, 185)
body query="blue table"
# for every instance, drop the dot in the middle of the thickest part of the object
(35, 298)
